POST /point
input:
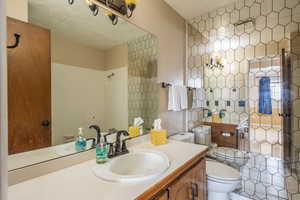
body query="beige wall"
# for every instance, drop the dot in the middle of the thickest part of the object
(160, 19)
(68, 52)
(79, 103)
(116, 99)
(116, 57)
(17, 9)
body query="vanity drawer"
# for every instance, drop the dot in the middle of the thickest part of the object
(191, 185)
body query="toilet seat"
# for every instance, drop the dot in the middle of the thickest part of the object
(229, 153)
(221, 173)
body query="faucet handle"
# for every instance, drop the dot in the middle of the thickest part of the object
(110, 132)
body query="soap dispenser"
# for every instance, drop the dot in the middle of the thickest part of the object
(102, 151)
(80, 144)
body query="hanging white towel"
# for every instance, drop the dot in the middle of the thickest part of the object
(178, 99)
(183, 98)
(174, 98)
(198, 98)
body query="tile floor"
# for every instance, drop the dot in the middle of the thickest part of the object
(268, 178)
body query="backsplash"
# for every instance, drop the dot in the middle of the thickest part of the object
(142, 80)
(214, 34)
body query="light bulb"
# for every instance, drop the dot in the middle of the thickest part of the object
(130, 2)
(108, 13)
(88, 2)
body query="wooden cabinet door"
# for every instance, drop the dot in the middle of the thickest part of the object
(29, 87)
(191, 186)
(163, 196)
(181, 189)
(199, 181)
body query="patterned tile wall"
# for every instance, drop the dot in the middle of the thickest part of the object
(142, 79)
(214, 34)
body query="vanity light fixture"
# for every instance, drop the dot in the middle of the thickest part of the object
(70, 2)
(127, 8)
(216, 63)
(113, 17)
(93, 7)
(130, 7)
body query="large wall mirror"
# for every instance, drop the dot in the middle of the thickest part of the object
(71, 70)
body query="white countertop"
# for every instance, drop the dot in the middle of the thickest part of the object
(79, 183)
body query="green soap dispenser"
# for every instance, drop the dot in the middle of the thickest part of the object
(102, 151)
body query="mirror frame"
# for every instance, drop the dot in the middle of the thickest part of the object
(3, 104)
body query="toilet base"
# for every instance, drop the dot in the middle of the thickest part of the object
(218, 196)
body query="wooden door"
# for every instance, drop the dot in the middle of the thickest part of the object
(29, 87)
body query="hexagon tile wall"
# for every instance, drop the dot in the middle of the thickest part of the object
(214, 34)
(142, 79)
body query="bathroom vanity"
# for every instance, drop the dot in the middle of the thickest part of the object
(184, 179)
(189, 182)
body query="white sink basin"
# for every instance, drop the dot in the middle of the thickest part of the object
(138, 165)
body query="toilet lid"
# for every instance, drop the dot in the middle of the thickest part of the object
(229, 153)
(183, 137)
(221, 171)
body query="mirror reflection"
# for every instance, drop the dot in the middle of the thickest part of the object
(72, 73)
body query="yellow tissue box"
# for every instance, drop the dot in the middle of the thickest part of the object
(159, 137)
(216, 118)
(134, 131)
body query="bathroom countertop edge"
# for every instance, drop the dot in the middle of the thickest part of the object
(163, 184)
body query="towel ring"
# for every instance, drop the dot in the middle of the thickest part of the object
(17, 36)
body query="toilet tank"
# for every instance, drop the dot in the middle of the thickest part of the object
(184, 137)
(202, 135)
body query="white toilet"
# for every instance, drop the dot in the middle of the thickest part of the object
(221, 179)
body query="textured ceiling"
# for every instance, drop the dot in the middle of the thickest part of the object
(193, 8)
(77, 23)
